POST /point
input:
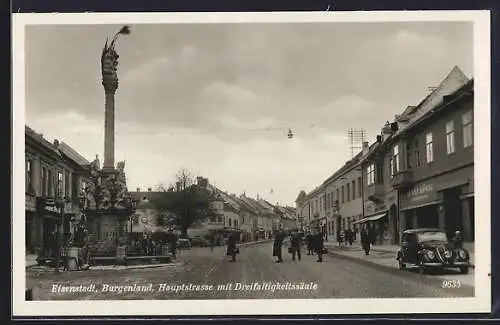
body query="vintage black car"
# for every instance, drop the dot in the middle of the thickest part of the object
(429, 248)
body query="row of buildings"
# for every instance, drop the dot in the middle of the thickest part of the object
(55, 182)
(56, 176)
(418, 173)
(255, 218)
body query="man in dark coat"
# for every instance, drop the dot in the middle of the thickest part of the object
(318, 244)
(309, 243)
(366, 240)
(172, 239)
(458, 241)
(279, 237)
(231, 246)
(295, 243)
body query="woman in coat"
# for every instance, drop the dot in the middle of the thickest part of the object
(231, 246)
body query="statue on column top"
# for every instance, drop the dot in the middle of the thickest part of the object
(109, 61)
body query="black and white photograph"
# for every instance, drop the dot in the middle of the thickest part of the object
(251, 163)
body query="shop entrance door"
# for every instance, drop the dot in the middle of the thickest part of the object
(452, 211)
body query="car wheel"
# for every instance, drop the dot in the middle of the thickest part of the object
(464, 270)
(401, 265)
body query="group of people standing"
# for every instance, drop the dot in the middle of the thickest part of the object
(314, 242)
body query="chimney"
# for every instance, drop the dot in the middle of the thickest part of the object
(366, 147)
(138, 189)
(149, 189)
(56, 143)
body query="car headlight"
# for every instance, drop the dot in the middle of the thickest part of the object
(430, 255)
(447, 254)
(462, 254)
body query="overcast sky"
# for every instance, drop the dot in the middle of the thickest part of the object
(218, 99)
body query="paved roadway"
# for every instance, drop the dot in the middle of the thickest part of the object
(336, 277)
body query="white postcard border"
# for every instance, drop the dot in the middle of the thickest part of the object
(480, 303)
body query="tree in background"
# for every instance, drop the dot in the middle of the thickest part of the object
(185, 201)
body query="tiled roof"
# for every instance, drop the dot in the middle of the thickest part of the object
(71, 153)
(29, 132)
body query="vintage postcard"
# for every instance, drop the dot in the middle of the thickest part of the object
(251, 163)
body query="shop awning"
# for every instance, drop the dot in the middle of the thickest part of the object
(371, 218)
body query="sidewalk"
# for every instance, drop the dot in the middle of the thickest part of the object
(388, 251)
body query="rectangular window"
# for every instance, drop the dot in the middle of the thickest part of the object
(467, 129)
(354, 189)
(50, 183)
(408, 155)
(391, 167)
(396, 159)
(28, 176)
(429, 150)
(450, 137)
(348, 192)
(360, 186)
(343, 194)
(370, 174)
(60, 184)
(417, 153)
(44, 182)
(379, 174)
(67, 185)
(338, 197)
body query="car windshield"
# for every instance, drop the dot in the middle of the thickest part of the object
(432, 236)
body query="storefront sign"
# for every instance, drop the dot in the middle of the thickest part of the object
(421, 193)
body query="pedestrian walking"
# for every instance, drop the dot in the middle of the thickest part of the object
(279, 237)
(350, 236)
(231, 246)
(340, 237)
(309, 243)
(295, 243)
(458, 240)
(366, 240)
(318, 245)
(172, 238)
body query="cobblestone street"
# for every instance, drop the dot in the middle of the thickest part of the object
(336, 277)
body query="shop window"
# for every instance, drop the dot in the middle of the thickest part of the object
(450, 137)
(467, 129)
(429, 150)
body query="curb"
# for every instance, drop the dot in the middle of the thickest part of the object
(375, 249)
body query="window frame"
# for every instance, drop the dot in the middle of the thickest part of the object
(450, 137)
(467, 125)
(429, 147)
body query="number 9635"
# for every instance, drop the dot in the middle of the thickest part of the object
(451, 284)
